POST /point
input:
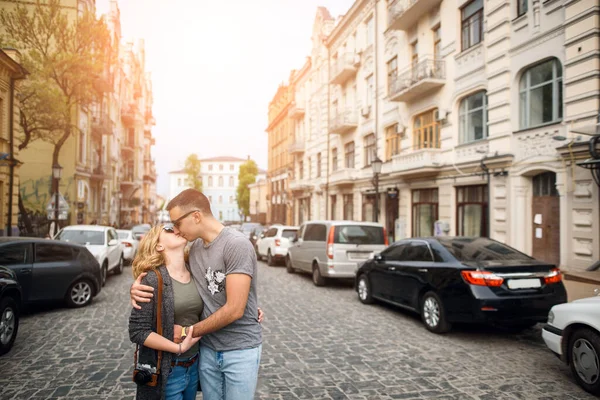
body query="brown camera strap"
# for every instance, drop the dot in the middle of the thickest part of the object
(159, 329)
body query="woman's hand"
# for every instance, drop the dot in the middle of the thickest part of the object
(261, 315)
(189, 340)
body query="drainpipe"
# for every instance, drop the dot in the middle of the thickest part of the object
(328, 135)
(11, 175)
(486, 170)
(376, 103)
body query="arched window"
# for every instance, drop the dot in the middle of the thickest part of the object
(473, 117)
(220, 181)
(541, 94)
(210, 182)
(231, 181)
(426, 130)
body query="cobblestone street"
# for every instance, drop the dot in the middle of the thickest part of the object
(319, 343)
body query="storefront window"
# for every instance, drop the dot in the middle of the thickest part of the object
(471, 208)
(425, 211)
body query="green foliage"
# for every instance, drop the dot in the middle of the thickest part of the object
(192, 169)
(66, 61)
(247, 176)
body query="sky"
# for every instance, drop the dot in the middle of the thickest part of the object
(215, 67)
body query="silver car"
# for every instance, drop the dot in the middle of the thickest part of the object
(334, 249)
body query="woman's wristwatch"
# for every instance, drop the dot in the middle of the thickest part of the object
(183, 334)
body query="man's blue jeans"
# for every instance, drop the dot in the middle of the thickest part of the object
(229, 375)
(182, 383)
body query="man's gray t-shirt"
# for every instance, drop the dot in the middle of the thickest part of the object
(230, 253)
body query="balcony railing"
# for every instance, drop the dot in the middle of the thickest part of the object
(128, 113)
(421, 161)
(404, 14)
(344, 68)
(296, 111)
(297, 147)
(344, 121)
(417, 80)
(100, 125)
(343, 176)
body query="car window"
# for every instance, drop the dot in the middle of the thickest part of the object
(359, 234)
(52, 253)
(81, 236)
(316, 233)
(14, 254)
(301, 231)
(123, 235)
(394, 252)
(417, 251)
(289, 233)
(112, 234)
(271, 232)
(481, 249)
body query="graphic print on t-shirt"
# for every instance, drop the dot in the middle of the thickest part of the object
(215, 280)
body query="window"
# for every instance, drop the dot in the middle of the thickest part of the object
(349, 155)
(220, 167)
(334, 159)
(370, 31)
(481, 249)
(289, 234)
(392, 142)
(319, 165)
(82, 147)
(309, 167)
(426, 131)
(52, 253)
(358, 234)
(473, 117)
(210, 167)
(231, 167)
(210, 181)
(370, 149)
(544, 185)
(414, 53)
(437, 43)
(271, 232)
(333, 206)
(301, 169)
(392, 72)
(472, 24)
(417, 251)
(14, 254)
(220, 181)
(540, 94)
(348, 207)
(231, 181)
(315, 233)
(220, 199)
(83, 237)
(521, 7)
(424, 211)
(368, 207)
(471, 210)
(370, 91)
(395, 252)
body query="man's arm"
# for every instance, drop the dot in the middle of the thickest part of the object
(237, 289)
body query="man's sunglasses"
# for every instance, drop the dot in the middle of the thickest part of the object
(177, 222)
(169, 227)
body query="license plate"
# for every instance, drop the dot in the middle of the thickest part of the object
(356, 255)
(523, 283)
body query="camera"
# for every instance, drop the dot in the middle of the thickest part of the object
(142, 376)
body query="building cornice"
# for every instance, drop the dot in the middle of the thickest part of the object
(348, 22)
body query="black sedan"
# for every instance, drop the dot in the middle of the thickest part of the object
(10, 300)
(458, 279)
(50, 270)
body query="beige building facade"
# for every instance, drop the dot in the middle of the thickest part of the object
(480, 112)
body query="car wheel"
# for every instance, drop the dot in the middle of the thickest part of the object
(9, 324)
(119, 269)
(317, 278)
(364, 290)
(270, 259)
(433, 314)
(289, 267)
(584, 357)
(80, 294)
(104, 272)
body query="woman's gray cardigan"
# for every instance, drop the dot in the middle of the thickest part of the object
(143, 322)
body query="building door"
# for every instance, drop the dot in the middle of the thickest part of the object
(546, 219)
(391, 213)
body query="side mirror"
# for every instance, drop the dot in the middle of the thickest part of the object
(113, 242)
(378, 258)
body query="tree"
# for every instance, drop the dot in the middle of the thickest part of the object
(247, 176)
(66, 61)
(192, 169)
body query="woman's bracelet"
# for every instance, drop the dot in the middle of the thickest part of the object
(179, 350)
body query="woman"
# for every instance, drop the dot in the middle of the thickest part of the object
(162, 249)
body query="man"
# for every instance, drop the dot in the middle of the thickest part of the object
(223, 264)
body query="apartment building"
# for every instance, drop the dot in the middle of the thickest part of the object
(481, 114)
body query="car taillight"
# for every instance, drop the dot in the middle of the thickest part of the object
(482, 278)
(277, 242)
(127, 244)
(330, 242)
(385, 238)
(554, 276)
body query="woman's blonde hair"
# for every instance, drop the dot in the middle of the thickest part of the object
(148, 258)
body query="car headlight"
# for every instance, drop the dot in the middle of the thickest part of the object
(550, 317)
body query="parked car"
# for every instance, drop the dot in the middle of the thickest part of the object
(10, 306)
(275, 243)
(248, 227)
(334, 249)
(130, 244)
(256, 234)
(101, 241)
(573, 334)
(50, 270)
(460, 279)
(140, 230)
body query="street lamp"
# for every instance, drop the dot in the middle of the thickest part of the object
(56, 174)
(376, 165)
(120, 195)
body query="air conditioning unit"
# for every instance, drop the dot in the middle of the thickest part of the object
(400, 129)
(365, 111)
(441, 115)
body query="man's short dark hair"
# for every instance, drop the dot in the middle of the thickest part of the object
(190, 199)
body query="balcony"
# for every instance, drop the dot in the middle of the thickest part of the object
(100, 126)
(343, 122)
(296, 112)
(98, 173)
(417, 80)
(127, 179)
(127, 149)
(404, 14)
(300, 186)
(344, 68)
(416, 162)
(343, 176)
(128, 113)
(297, 147)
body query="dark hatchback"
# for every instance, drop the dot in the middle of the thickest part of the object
(10, 304)
(458, 279)
(49, 270)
